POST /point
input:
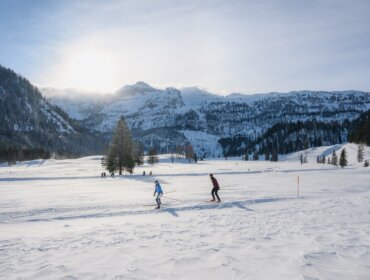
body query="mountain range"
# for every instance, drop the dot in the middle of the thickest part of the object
(39, 122)
(170, 117)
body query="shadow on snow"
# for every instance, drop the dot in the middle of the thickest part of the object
(174, 211)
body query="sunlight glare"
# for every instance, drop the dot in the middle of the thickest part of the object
(89, 69)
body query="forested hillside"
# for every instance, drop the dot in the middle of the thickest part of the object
(31, 127)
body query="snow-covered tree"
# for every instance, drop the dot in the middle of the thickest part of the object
(334, 158)
(360, 152)
(343, 158)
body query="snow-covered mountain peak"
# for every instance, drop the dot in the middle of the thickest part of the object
(142, 84)
(138, 88)
(173, 90)
(186, 91)
(194, 96)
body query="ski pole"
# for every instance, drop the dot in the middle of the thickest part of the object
(173, 198)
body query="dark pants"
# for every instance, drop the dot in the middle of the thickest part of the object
(215, 192)
(158, 199)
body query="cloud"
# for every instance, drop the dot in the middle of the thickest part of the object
(225, 46)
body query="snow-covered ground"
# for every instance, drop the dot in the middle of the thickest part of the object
(198, 139)
(60, 220)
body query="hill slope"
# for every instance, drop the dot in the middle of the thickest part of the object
(31, 125)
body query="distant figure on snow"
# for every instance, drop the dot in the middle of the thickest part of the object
(215, 188)
(159, 192)
(112, 174)
(143, 173)
(150, 173)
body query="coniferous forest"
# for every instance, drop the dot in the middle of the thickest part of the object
(32, 128)
(360, 132)
(284, 138)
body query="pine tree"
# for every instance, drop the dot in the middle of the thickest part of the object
(343, 158)
(360, 153)
(195, 158)
(334, 158)
(153, 156)
(111, 163)
(121, 151)
(274, 156)
(139, 153)
(267, 156)
(189, 152)
(246, 156)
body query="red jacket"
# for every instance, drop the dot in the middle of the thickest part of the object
(215, 183)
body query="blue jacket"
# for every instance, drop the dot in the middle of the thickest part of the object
(158, 188)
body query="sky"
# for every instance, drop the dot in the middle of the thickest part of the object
(223, 46)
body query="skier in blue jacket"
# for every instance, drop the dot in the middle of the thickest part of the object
(159, 192)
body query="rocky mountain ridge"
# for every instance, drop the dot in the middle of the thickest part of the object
(169, 117)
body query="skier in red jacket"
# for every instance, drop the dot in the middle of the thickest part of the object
(215, 189)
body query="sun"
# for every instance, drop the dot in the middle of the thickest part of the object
(89, 69)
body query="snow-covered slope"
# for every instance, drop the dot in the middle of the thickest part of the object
(25, 114)
(60, 220)
(79, 104)
(312, 153)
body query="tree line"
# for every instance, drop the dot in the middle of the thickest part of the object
(287, 137)
(14, 154)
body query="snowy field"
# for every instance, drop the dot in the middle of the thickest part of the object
(60, 220)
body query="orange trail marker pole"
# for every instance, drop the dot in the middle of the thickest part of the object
(297, 186)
